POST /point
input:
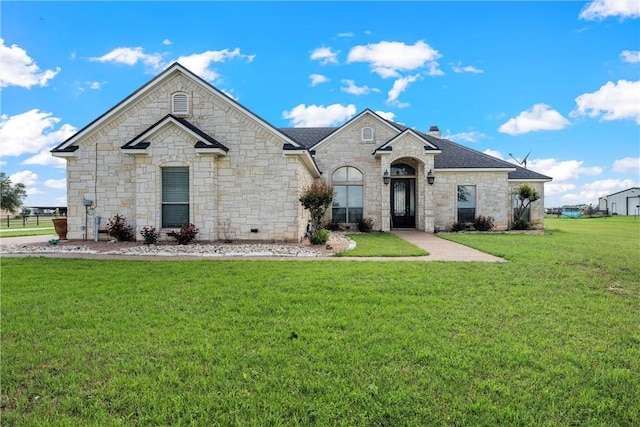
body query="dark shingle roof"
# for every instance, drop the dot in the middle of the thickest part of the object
(210, 141)
(307, 137)
(452, 155)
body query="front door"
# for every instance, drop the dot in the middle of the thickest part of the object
(403, 203)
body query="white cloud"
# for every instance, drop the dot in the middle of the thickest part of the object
(31, 132)
(627, 164)
(601, 9)
(28, 178)
(319, 115)
(399, 86)
(94, 85)
(630, 55)
(387, 59)
(57, 184)
(345, 34)
(614, 101)
(44, 158)
(555, 188)
(466, 136)
(325, 55)
(591, 192)
(494, 153)
(131, 56)
(386, 115)
(199, 62)
(316, 79)
(539, 117)
(167, 42)
(466, 69)
(356, 90)
(19, 69)
(229, 94)
(563, 171)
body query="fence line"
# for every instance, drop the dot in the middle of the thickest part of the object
(22, 221)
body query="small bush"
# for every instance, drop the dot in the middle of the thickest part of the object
(458, 226)
(185, 235)
(150, 235)
(320, 238)
(483, 223)
(365, 225)
(521, 224)
(333, 225)
(118, 229)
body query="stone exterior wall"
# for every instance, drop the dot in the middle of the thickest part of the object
(346, 148)
(253, 187)
(252, 192)
(492, 197)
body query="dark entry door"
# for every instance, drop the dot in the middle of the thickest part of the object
(403, 203)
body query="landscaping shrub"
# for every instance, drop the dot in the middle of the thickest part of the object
(458, 226)
(118, 229)
(365, 225)
(483, 223)
(332, 225)
(150, 235)
(521, 224)
(317, 198)
(320, 238)
(185, 235)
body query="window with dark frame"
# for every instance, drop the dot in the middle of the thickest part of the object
(175, 196)
(348, 201)
(466, 203)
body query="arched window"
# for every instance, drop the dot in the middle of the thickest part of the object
(367, 134)
(401, 169)
(180, 103)
(347, 203)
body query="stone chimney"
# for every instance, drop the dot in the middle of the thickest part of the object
(434, 131)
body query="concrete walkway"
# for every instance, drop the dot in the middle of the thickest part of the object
(444, 250)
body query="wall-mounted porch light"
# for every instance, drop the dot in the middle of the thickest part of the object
(430, 178)
(385, 177)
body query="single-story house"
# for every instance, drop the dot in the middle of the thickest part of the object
(625, 202)
(178, 149)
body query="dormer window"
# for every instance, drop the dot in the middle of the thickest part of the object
(180, 103)
(367, 134)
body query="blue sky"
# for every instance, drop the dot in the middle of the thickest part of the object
(558, 79)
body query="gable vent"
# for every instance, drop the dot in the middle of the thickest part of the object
(367, 134)
(179, 103)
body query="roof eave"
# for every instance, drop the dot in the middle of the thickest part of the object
(306, 158)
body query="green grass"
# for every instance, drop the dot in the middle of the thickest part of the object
(381, 245)
(549, 338)
(30, 232)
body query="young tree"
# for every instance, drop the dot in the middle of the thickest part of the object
(526, 195)
(317, 198)
(11, 195)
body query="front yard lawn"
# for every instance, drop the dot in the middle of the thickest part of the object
(379, 244)
(549, 338)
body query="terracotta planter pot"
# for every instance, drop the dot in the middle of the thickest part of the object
(60, 225)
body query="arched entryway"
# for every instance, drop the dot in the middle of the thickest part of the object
(403, 196)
